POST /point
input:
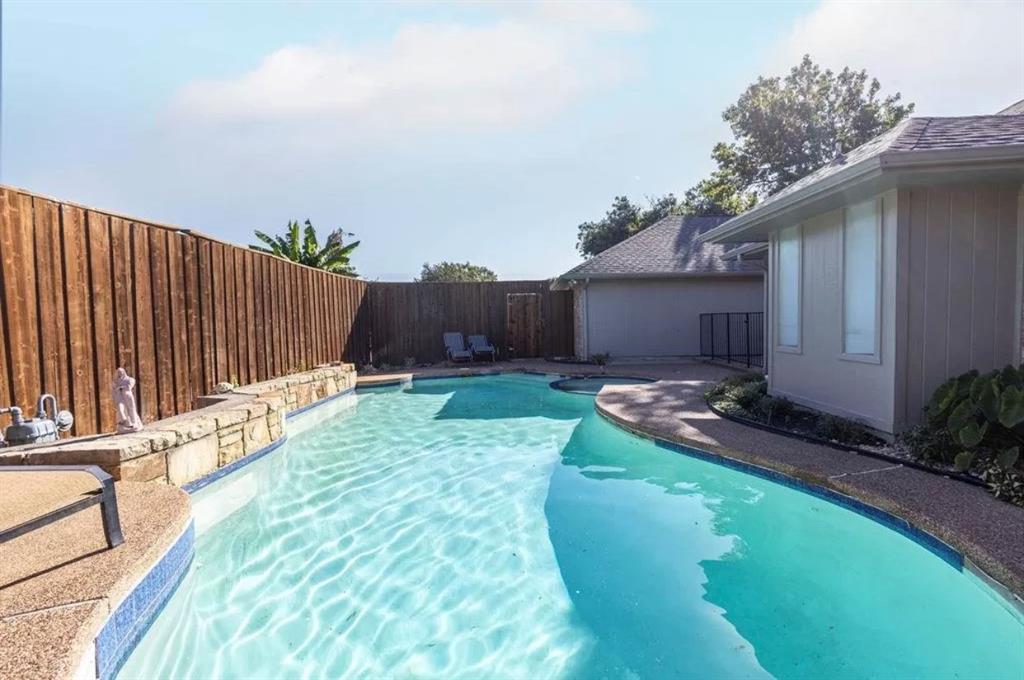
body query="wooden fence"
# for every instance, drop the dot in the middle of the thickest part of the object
(410, 318)
(84, 292)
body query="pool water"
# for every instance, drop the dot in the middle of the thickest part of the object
(593, 384)
(496, 528)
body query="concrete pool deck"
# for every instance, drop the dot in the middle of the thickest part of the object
(59, 583)
(985, 530)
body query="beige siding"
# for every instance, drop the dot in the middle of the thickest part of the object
(816, 374)
(661, 317)
(962, 286)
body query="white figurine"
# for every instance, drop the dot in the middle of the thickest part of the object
(124, 397)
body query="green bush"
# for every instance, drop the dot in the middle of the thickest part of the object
(729, 388)
(774, 409)
(928, 444)
(980, 417)
(841, 430)
(749, 394)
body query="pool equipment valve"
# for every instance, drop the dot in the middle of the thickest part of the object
(39, 429)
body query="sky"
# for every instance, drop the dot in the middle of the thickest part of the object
(479, 131)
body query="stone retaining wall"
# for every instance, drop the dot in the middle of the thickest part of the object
(187, 447)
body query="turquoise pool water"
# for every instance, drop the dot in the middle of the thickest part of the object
(496, 528)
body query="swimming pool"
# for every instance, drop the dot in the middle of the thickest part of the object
(494, 527)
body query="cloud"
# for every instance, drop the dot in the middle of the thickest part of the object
(949, 57)
(519, 68)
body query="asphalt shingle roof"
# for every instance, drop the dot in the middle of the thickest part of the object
(920, 134)
(1015, 109)
(667, 247)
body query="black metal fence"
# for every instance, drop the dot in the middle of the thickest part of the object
(736, 337)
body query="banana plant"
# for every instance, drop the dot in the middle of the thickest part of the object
(303, 247)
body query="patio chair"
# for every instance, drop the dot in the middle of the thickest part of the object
(478, 344)
(455, 348)
(33, 496)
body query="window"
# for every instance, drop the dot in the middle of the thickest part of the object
(788, 295)
(860, 278)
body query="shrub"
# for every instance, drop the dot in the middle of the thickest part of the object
(600, 358)
(841, 430)
(982, 417)
(774, 409)
(748, 395)
(925, 443)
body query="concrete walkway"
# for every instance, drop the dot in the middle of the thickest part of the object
(988, 532)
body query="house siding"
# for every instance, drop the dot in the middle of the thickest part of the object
(961, 251)
(661, 317)
(816, 374)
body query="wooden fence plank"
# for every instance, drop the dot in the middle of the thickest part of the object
(206, 315)
(102, 301)
(163, 326)
(78, 311)
(220, 331)
(124, 295)
(179, 324)
(145, 340)
(193, 318)
(17, 245)
(50, 290)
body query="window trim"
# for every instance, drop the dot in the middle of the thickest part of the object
(876, 356)
(798, 348)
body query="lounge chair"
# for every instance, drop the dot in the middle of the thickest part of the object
(33, 496)
(478, 344)
(455, 348)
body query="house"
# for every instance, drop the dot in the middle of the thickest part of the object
(894, 267)
(643, 297)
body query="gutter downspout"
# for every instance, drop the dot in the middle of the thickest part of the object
(586, 319)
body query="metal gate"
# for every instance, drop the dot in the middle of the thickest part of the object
(736, 337)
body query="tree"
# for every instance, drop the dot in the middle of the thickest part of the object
(305, 249)
(455, 271)
(722, 193)
(785, 128)
(622, 221)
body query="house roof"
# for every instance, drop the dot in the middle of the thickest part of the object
(669, 247)
(989, 142)
(1015, 109)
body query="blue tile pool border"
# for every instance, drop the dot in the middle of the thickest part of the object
(219, 473)
(136, 613)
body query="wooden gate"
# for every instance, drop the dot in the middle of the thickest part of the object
(525, 332)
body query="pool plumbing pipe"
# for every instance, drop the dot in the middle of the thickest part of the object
(39, 429)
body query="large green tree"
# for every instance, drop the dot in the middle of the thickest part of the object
(622, 221)
(785, 128)
(455, 271)
(303, 247)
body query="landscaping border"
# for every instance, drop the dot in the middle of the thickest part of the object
(957, 476)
